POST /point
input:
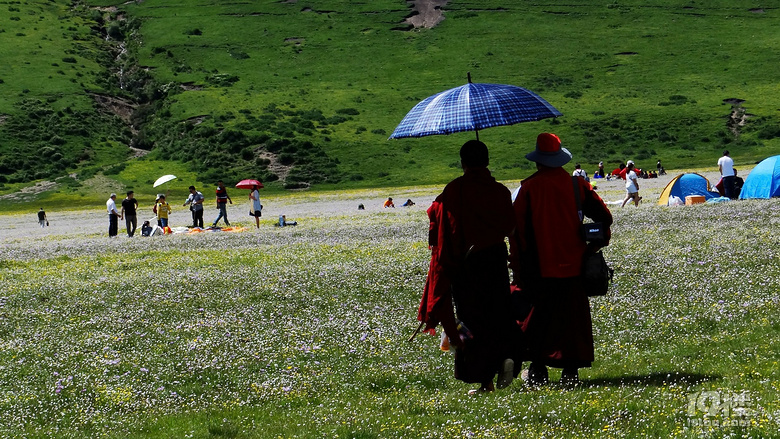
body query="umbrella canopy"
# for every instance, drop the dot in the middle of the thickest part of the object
(248, 184)
(473, 107)
(164, 179)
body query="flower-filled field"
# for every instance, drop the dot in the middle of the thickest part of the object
(302, 332)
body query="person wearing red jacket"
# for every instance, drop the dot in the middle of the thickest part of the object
(470, 220)
(546, 255)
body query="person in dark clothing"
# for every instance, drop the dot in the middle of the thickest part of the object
(42, 221)
(129, 208)
(469, 221)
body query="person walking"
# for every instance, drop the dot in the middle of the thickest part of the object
(469, 221)
(632, 185)
(222, 199)
(129, 212)
(546, 253)
(195, 200)
(256, 208)
(726, 168)
(42, 221)
(113, 216)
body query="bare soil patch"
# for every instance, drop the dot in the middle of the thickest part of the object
(426, 13)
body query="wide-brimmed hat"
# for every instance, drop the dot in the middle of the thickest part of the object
(549, 151)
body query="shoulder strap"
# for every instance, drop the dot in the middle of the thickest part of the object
(576, 185)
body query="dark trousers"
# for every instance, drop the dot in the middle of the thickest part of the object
(728, 186)
(113, 225)
(131, 222)
(197, 218)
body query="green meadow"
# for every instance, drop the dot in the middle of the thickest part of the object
(305, 94)
(303, 332)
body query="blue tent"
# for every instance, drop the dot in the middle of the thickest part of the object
(684, 185)
(763, 181)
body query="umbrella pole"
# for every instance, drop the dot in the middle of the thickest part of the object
(416, 331)
(477, 133)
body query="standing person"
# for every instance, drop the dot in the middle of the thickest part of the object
(726, 168)
(195, 200)
(163, 210)
(42, 221)
(129, 208)
(546, 260)
(256, 208)
(222, 199)
(600, 171)
(469, 221)
(113, 216)
(632, 185)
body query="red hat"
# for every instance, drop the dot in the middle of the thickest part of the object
(549, 151)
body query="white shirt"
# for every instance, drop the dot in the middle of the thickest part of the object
(726, 165)
(631, 179)
(579, 173)
(111, 207)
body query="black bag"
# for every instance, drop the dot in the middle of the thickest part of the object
(596, 274)
(593, 232)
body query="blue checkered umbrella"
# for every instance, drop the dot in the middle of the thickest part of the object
(473, 107)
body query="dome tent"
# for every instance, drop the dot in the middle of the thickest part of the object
(687, 184)
(763, 181)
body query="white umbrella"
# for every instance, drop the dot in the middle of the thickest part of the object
(164, 179)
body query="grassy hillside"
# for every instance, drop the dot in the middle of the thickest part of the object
(299, 93)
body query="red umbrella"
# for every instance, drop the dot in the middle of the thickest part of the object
(249, 184)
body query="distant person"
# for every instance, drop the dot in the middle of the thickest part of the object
(547, 249)
(163, 211)
(579, 172)
(283, 221)
(256, 209)
(222, 199)
(361, 206)
(113, 216)
(408, 203)
(726, 168)
(632, 185)
(42, 221)
(195, 200)
(146, 229)
(389, 203)
(129, 211)
(600, 171)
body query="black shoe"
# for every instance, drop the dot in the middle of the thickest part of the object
(535, 375)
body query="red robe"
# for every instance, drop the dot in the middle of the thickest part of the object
(546, 260)
(469, 221)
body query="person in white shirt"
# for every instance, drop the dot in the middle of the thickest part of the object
(726, 168)
(113, 216)
(632, 185)
(579, 172)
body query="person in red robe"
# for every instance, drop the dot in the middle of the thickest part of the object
(546, 255)
(469, 222)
